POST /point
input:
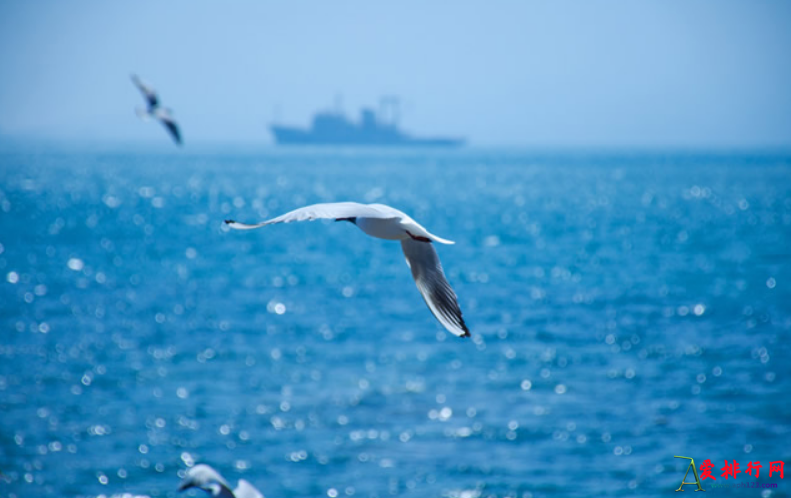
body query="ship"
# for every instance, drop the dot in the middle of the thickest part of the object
(334, 128)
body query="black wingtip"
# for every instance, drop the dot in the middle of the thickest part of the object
(463, 327)
(228, 222)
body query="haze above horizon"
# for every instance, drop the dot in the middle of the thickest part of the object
(703, 73)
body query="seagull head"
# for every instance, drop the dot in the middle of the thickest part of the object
(350, 220)
(204, 477)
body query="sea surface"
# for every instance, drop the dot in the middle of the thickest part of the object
(626, 308)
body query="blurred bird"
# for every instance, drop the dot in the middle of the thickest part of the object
(384, 222)
(154, 110)
(206, 478)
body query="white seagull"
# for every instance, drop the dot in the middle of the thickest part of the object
(384, 222)
(154, 110)
(206, 478)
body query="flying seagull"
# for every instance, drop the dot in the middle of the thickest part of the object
(206, 478)
(154, 110)
(384, 222)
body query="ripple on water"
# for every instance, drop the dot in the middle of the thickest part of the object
(621, 305)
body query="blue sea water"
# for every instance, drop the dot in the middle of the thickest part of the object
(625, 308)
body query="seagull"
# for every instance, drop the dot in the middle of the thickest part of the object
(154, 110)
(206, 478)
(385, 222)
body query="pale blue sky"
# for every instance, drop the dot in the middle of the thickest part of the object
(677, 73)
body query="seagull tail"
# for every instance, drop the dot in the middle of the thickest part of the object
(440, 239)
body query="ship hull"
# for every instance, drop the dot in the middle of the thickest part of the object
(285, 135)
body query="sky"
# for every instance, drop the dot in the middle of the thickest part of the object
(594, 73)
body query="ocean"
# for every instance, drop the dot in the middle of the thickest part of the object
(625, 308)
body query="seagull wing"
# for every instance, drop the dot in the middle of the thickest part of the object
(172, 128)
(427, 271)
(206, 478)
(333, 210)
(246, 490)
(148, 92)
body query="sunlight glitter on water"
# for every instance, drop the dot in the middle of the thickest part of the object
(620, 304)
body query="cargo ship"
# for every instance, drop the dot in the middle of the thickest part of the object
(334, 128)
